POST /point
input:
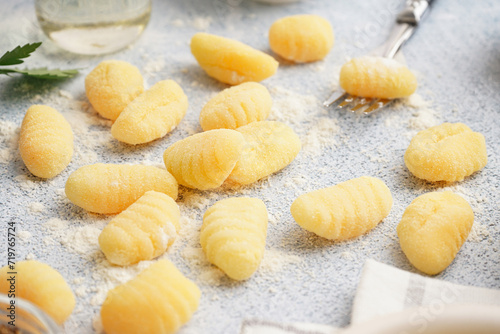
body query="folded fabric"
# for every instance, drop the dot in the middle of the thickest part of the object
(256, 326)
(382, 290)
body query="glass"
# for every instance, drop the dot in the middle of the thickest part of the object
(29, 319)
(93, 27)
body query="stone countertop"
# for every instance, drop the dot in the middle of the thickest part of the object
(455, 54)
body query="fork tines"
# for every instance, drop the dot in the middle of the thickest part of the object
(353, 103)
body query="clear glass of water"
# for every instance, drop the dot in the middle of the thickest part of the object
(93, 27)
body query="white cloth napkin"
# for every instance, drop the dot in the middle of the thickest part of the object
(382, 290)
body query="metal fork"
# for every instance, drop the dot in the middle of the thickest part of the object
(406, 23)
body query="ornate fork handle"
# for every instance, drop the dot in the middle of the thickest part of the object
(407, 20)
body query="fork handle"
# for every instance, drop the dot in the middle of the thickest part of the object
(414, 12)
(407, 20)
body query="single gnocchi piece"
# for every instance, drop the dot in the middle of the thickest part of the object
(377, 77)
(204, 160)
(447, 152)
(346, 210)
(159, 300)
(301, 38)
(236, 106)
(152, 114)
(141, 232)
(111, 86)
(433, 229)
(230, 61)
(270, 147)
(110, 188)
(233, 235)
(45, 142)
(41, 285)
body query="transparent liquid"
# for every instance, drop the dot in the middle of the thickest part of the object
(87, 27)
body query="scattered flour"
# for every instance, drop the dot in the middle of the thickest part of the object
(422, 116)
(36, 207)
(24, 236)
(306, 115)
(202, 23)
(9, 134)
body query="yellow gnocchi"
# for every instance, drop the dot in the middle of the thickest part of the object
(346, 210)
(111, 86)
(377, 77)
(41, 285)
(236, 106)
(204, 160)
(159, 300)
(233, 235)
(270, 147)
(447, 152)
(141, 232)
(301, 38)
(433, 229)
(152, 114)
(45, 142)
(230, 61)
(110, 188)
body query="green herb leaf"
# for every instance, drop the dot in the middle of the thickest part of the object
(42, 73)
(15, 56)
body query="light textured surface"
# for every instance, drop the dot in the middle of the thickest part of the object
(302, 277)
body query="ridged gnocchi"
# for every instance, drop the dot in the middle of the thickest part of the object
(230, 61)
(447, 152)
(377, 77)
(233, 235)
(111, 86)
(236, 106)
(45, 142)
(301, 38)
(269, 147)
(152, 114)
(41, 285)
(142, 231)
(204, 160)
(159, 300)
(346, 210)
(433, 229)
(111, 188)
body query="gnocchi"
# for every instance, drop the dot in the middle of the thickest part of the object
(111, 86)
(346, 210)
(141, 232)
(433, 229)
(270, 147)
(159, 300)
(236, 106)
(41, 285)
(110, 188)
(377, 77)
(301, 38)
(204, 160)
(230, 61)
(233, 235)
(152, 114)
(45, 142)
(447, 152)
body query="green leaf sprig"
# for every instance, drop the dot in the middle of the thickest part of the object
(16, 57)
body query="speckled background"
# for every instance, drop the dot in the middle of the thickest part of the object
(456, 56)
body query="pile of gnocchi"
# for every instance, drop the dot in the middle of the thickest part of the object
(237, 147)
